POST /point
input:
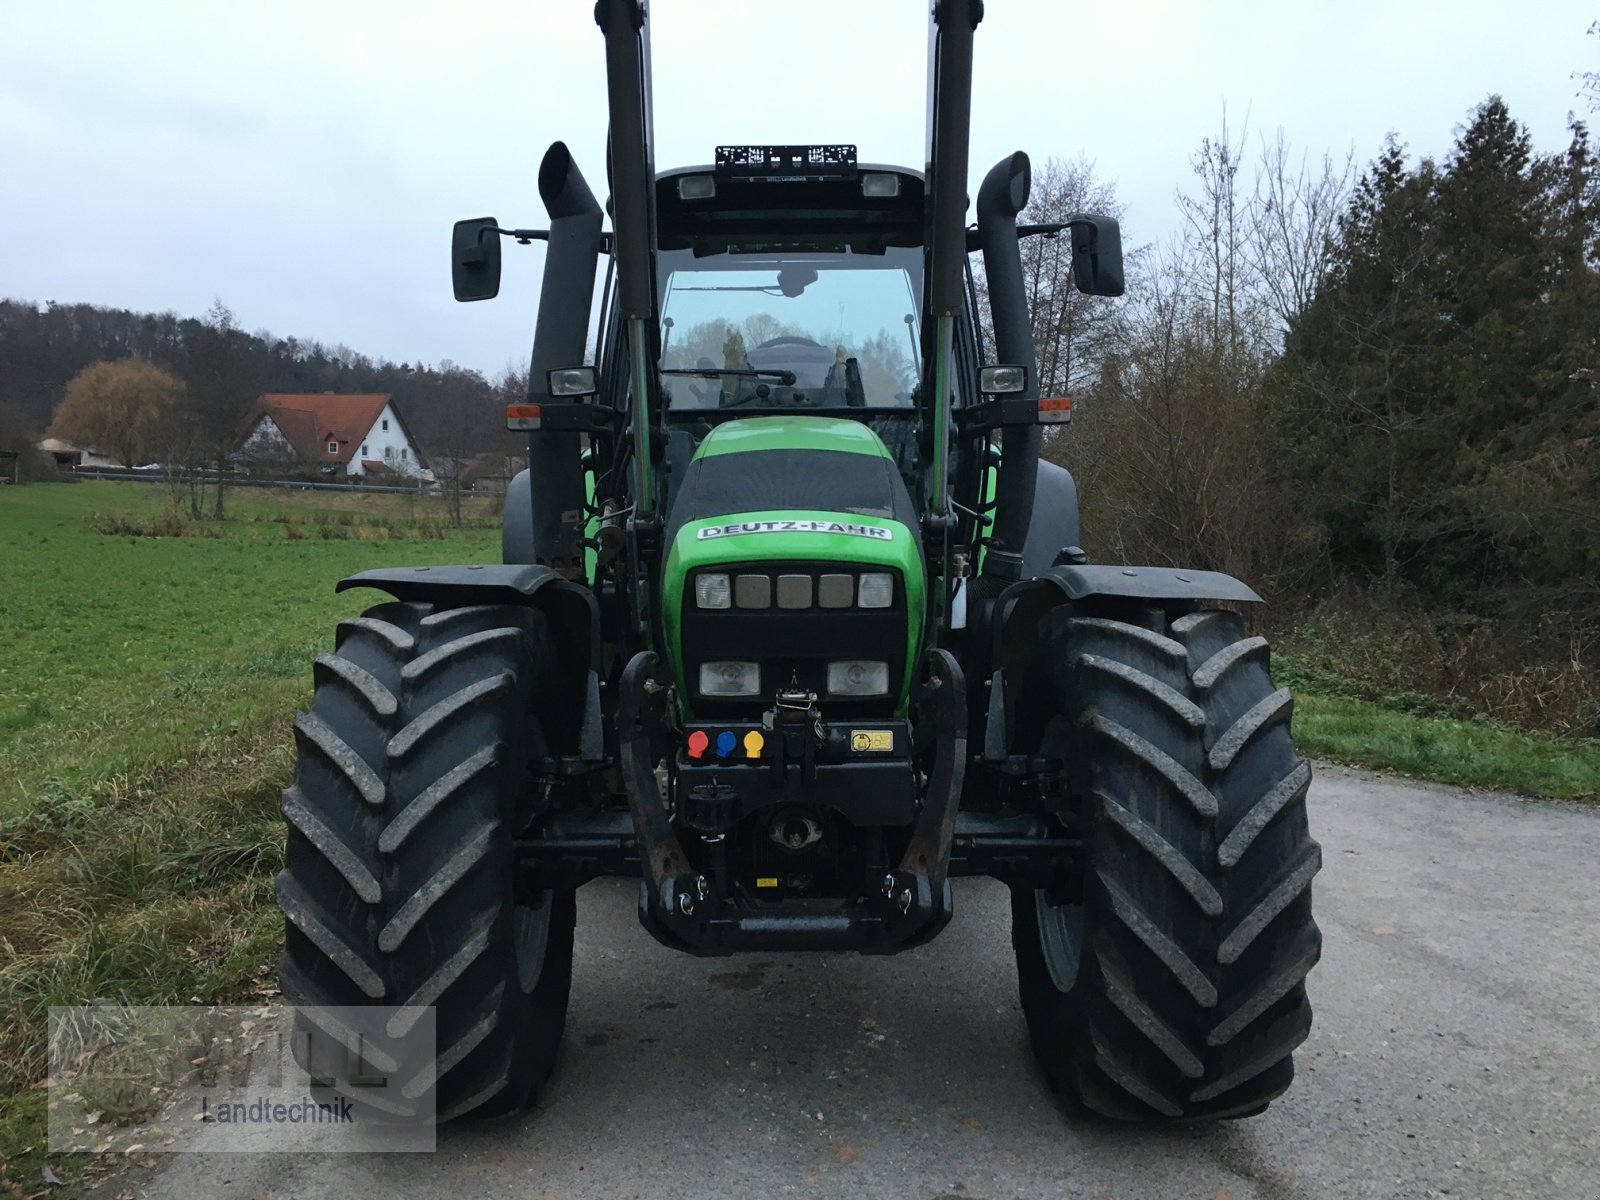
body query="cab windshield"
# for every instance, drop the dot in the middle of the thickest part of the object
(790, 330)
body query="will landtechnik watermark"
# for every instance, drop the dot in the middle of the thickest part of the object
(258, 1079)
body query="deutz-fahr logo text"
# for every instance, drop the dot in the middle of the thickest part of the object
(878, 532)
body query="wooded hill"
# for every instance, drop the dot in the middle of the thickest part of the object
(453, 411)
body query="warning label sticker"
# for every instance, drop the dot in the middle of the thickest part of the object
(871, 739)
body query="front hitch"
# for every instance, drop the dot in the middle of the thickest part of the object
(642, 732)
(690, 911)
(924, 873)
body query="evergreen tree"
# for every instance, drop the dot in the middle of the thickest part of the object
(1446, 364)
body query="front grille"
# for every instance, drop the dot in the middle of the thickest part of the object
(793, 623)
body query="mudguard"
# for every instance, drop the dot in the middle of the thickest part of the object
(477, 583)
(516, 534)
(1148, 583)
(1021, 607)
(1055, 519)
(570, 608)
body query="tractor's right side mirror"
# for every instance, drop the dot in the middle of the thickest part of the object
(1097, 255)
(475, 259)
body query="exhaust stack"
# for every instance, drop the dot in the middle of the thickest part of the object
(1003, 195)
(571, 259)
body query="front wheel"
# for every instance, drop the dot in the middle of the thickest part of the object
(400, 891)
(1171, 984)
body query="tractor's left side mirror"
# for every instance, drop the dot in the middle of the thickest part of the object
(1097, 255)
(475, 259)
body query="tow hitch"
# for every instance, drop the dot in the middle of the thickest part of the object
(700, 912)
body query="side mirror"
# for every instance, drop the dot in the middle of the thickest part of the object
(1097, 255)
(573, 382)
(475, 259)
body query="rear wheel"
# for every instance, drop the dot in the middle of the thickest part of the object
(1172, 986)
(400, 888)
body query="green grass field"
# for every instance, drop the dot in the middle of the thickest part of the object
(1405, 734)
(1475, 754)
(147, 686)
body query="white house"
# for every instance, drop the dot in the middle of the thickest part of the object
(342, 434)
(68, 455)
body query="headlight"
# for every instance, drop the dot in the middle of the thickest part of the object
(711, 590)
(858, 679)
(877, 590)
(794, 591)
(730, 678)
(836, 591)
(752, 591)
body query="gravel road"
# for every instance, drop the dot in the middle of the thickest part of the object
(1456, 1051)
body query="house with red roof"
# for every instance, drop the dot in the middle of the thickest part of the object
(338, 434)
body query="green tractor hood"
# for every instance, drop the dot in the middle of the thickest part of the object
(786, 496)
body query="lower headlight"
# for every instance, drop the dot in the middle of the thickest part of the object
(858, 679)
(730, 679)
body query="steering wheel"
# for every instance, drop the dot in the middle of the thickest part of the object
(764, 395)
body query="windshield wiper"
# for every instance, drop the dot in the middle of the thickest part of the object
(784, 377)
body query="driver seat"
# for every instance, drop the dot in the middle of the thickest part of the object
(845, 383)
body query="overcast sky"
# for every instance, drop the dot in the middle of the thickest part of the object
(305, 160)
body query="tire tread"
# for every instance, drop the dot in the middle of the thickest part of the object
(1188, 999)
(399, 883)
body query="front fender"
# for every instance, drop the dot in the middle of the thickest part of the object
(569, 607)
(1148, 583)
(1023, 605)
(478, 583)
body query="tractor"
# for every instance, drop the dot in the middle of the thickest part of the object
(794, 627)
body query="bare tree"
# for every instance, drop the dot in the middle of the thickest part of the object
(1589, 81)
(1071, 331)
(181, 451)
(1176, 446)
(1217, 216)
(222, 387)
(1292, 219)
(458, 420)
(1165, 449)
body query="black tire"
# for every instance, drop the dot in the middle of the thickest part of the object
(400, 887)
(1173, 986)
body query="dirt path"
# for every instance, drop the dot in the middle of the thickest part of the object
(1456, 1051)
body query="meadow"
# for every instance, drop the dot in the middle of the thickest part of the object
(147, 684)
(147, 688)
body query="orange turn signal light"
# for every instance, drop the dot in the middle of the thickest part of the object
(522, 416)
(1055, 410)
